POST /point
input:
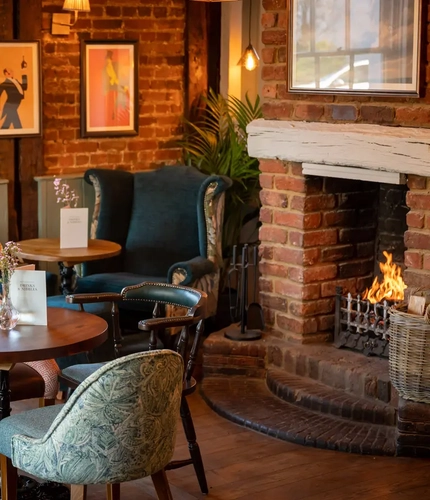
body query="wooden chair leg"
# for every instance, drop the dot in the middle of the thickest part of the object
(78, 492)
(113, 491)
(46, 402)
(161, 485)
(9, 479)
(196, 457)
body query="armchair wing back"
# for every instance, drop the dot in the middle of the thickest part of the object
(169, 224)
(119, 424)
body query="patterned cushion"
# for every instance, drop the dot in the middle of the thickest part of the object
(119, 424)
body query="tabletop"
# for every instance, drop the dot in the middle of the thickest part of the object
(48, 250)
(68, 332)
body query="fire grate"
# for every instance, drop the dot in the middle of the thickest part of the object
(360, 325)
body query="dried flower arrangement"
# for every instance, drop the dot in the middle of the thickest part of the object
(64, 194)
(8, 260)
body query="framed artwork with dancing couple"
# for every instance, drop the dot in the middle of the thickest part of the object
(20, 89)
(109, 94)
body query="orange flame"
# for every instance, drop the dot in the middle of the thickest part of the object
(392, 286)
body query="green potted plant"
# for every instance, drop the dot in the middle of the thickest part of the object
(216, 143)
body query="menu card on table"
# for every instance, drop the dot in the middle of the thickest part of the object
(28, 295)
(74, 228)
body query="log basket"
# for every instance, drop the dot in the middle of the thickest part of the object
(409, 353)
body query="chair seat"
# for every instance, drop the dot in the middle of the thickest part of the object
(32, 423)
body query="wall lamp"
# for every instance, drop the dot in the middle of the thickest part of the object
(61, 22)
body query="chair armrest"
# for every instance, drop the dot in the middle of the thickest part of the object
(193, 269)
(161, 323)
(88, 298)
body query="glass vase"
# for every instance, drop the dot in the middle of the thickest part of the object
(9, 316)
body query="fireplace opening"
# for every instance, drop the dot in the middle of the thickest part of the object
(371, 220)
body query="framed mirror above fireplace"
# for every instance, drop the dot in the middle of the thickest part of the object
(354, 47)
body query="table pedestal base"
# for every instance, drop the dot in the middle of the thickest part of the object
(29, 489)
(67, 279)
(4, 394)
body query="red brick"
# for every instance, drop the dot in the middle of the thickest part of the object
(296, 325)
(265, 285)
(282, 19)
(415, 240)
(268, 19)
(418, 201)
(328, 289)
(417, 182)
(266, 215)
(377, 114)
(274, 37)
(308, 112)
(311, 308)
(320, 238)
(325, 322)
(312, 274)
(413, 259)
(273, 72)
(415, 219)
(266, 181)
(274, 4)
(273, 302)
(268, 55)
(413, 115)
(298, 220)
(277, 110)
(265, 251)
(313, 203)
(296, 290)
(268, 91)
(274, 234)
(296, 256)
(426, 262)
(273, 199)
(269, 269)
(287, 183)
(273, 166)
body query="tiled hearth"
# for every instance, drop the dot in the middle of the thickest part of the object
(320, 232)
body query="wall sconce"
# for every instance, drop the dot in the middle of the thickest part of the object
(61, 22)
(250, 58)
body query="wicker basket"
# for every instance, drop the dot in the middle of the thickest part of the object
(409, 358)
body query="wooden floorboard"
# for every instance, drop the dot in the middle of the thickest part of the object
(244, 465)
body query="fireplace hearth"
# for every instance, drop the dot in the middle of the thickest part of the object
(361, 325)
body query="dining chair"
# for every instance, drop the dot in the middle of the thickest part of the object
(187, 313)
(119, 425)
(34, 379)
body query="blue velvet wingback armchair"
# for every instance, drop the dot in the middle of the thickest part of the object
(168, 222)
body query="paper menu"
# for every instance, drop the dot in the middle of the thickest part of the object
(28, 295)
(74, 228)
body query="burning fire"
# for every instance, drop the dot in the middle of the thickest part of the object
(392, 286)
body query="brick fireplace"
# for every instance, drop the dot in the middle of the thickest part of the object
(319, 232)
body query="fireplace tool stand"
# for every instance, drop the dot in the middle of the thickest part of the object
(250, 316)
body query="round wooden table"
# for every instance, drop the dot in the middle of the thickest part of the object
(48, 250)
(68, 332)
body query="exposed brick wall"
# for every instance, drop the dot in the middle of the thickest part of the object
(279, 104)
(159, 27)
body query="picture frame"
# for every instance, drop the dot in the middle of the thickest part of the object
(371, 47)
(20, 89)
(109, 88)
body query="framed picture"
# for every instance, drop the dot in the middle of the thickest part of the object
(109, 95)
(20, 89)
(358, 47)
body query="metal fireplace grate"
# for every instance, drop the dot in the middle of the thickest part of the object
(360, 325)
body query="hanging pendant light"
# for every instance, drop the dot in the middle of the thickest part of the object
(250, 58)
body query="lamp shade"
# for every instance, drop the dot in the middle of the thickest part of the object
(77, 5)
(250, 58)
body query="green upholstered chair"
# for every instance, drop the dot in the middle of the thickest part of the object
(168, 222)
(190, 303)
(119, 425)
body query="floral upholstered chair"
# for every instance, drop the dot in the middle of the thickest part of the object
(119, 425)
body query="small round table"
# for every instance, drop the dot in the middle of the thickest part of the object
(68, 332)
(48, 250)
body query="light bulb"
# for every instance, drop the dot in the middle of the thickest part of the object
(249, 59)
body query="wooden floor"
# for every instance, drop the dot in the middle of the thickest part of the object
(242, 464)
